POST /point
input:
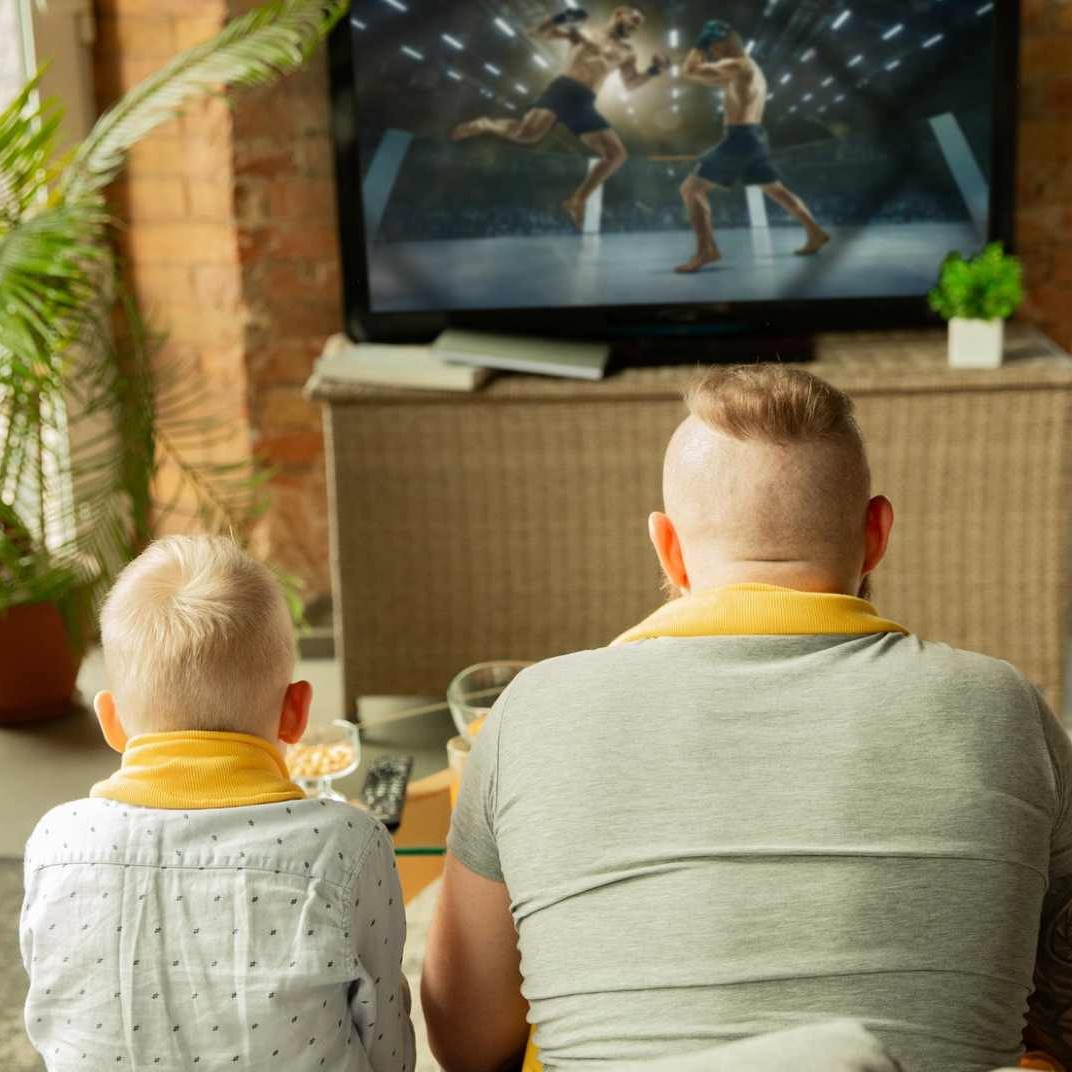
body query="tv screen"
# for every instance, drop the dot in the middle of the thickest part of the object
(538, 155)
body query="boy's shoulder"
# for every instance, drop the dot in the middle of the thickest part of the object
(68, 822)
(331, 839)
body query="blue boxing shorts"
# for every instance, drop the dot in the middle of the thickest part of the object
(742, 156)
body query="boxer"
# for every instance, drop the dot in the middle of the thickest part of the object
(595, 53)
(720, 60)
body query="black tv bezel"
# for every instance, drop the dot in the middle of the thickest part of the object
(601, 322)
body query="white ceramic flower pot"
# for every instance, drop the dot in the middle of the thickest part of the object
(978, 344)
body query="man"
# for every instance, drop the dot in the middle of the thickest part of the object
(766, 805)
(570, 99)
(719, 59)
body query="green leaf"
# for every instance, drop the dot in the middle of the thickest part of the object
(987, 287)
(130, 411)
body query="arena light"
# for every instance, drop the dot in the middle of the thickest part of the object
(793, 108)
(893, 65)
(784, 80)
(675, 71)
(511, 105)
(856, 60)
(675, 38)
(453, 42)
(893, 31)
(985, 9)
(828, 81)
(357, 24)
(520, 88)
(807, 97)
(932, 41)
(841, 19)
(503, 26)
(675, 93)
(492, 69)
(750, 47)
(839, 98)
(540, 61)
(822, 108)
(396, 4)
(411, 52)
(809, 55)
(453, 75)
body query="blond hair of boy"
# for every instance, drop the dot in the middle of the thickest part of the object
(197, 636)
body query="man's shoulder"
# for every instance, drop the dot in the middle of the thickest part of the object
(563, 668)
(923, 664)
(945, 662)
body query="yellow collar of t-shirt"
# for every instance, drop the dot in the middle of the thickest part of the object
(761, 610)
(195, 770)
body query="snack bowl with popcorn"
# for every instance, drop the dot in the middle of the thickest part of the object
(328, 751)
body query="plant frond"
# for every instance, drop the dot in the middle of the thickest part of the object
(252, 50)
(28, 160)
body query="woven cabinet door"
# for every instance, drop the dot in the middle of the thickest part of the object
(979, 557)
(469, 532)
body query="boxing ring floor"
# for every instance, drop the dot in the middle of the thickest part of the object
(638, 269)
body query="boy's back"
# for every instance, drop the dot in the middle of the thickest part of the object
(249, 936)
(198, 911)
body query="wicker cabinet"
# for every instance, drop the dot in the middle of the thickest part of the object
(511, 523)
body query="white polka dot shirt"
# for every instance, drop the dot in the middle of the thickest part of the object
(265, 937)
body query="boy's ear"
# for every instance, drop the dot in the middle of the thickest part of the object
(295, 715)
(108, 717)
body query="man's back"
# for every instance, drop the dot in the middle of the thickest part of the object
(710, 837)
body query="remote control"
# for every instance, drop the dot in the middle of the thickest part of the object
(385, 789)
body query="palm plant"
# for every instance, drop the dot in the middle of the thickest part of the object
(87, 417)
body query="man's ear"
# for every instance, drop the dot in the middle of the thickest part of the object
(108, 717)
(668, 548)
(295, 715)
(877, 538)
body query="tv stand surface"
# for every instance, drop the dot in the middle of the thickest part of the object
(660, 350)
(511, 523)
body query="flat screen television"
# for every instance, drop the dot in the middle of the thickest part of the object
(537, 165)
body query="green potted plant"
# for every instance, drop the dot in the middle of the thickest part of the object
(87, 417)
(976, 297)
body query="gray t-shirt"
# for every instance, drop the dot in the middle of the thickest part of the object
(709, 838)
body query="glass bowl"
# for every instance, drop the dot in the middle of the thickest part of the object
(473, 692)
(328, 751)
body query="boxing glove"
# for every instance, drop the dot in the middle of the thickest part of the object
(570, 15)
(658, 65)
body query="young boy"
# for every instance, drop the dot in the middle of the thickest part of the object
(198, 911)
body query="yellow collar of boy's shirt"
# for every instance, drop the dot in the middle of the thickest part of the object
(761, 610)
(195, 770)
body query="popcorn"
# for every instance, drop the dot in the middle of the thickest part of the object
(310, 761)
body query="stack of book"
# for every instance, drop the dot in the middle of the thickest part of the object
(458, 360)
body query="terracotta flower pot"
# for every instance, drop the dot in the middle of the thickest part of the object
(38, 669)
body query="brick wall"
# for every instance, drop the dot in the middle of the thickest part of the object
(288, 256)
(1045, 183)
(232, 236)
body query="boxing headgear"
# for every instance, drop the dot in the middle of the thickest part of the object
(714, 30)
